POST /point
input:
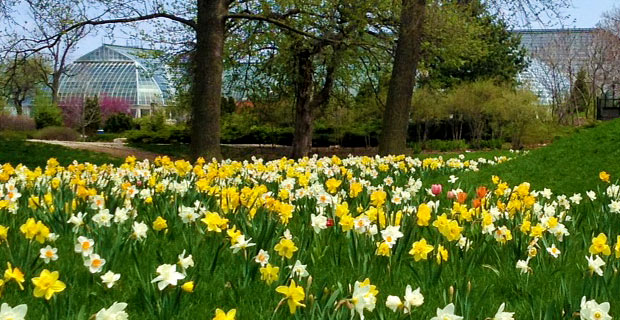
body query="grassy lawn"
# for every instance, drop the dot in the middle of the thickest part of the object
(36, 154)
(571, 164)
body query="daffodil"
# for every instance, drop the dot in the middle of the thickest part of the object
(364, 297)
(286, 248)
(160, 224)
(13, 313)
(420, 250)
(47, 284)
(293, 295)
(223, 315)
(269, 273)
(116, 311)
(167, 275)
(14, 274)
(599, 245)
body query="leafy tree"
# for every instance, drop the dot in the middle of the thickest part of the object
(20, 77)
(467, 43)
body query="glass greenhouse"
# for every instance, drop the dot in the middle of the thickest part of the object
(118, 72)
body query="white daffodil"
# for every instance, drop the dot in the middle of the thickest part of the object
(242, 244)
(393, 303)
(447, 313)
(390, 234)
(77, 220)
(299, 270)
(318, 222)
(591, 310)
(553, 251)
(262, 258)
(595, 264)
(185, 262)
(139, 230)
(502, 315)
(48, 254)
(109, 278)
(116, 312)
(412, 298)
(84, 246)
(167, 275)
(94, 263)
(13, 313)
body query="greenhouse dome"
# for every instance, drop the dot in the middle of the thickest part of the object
(118, 72)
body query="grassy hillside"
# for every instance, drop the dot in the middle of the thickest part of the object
(568, 165)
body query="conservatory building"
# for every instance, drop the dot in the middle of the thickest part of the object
(127, 73)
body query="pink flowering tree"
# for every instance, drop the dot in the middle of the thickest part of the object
(111, 105)
(72, 109)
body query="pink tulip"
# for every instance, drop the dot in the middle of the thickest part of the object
(436, 189)
(451, 194)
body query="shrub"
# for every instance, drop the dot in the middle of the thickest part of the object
(48, 117)
(46, 114)
(16, 123)
(14, 135)
(445, 145)
(106, 137)
(118, 122)
(57, 133)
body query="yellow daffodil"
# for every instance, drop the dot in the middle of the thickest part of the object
(269, 273)
(14, 274)
(286, 248)
(420, 250)
(160, 224)
(604, 176)
(599, 245)
(293, 295)
(47, 284)
(223, 315)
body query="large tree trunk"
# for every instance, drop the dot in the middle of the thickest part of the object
(207, 84)
(302, 138)
(408, 50)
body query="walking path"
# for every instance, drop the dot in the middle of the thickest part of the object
(114, 149)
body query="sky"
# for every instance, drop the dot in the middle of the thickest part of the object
(583, 14)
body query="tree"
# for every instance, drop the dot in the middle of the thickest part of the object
(310, 69)
(91, 116)
(408, 51)
(466, 43)
(20, 78)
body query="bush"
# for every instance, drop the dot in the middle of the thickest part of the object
(57, 133)
(14, 135)
(169, 134)
(445, 145)
(106, 137)
(48, 117)
(118, 122)
(16, 123)
(46, 114)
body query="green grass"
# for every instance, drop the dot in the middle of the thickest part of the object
(570, 164)
(34, 155)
